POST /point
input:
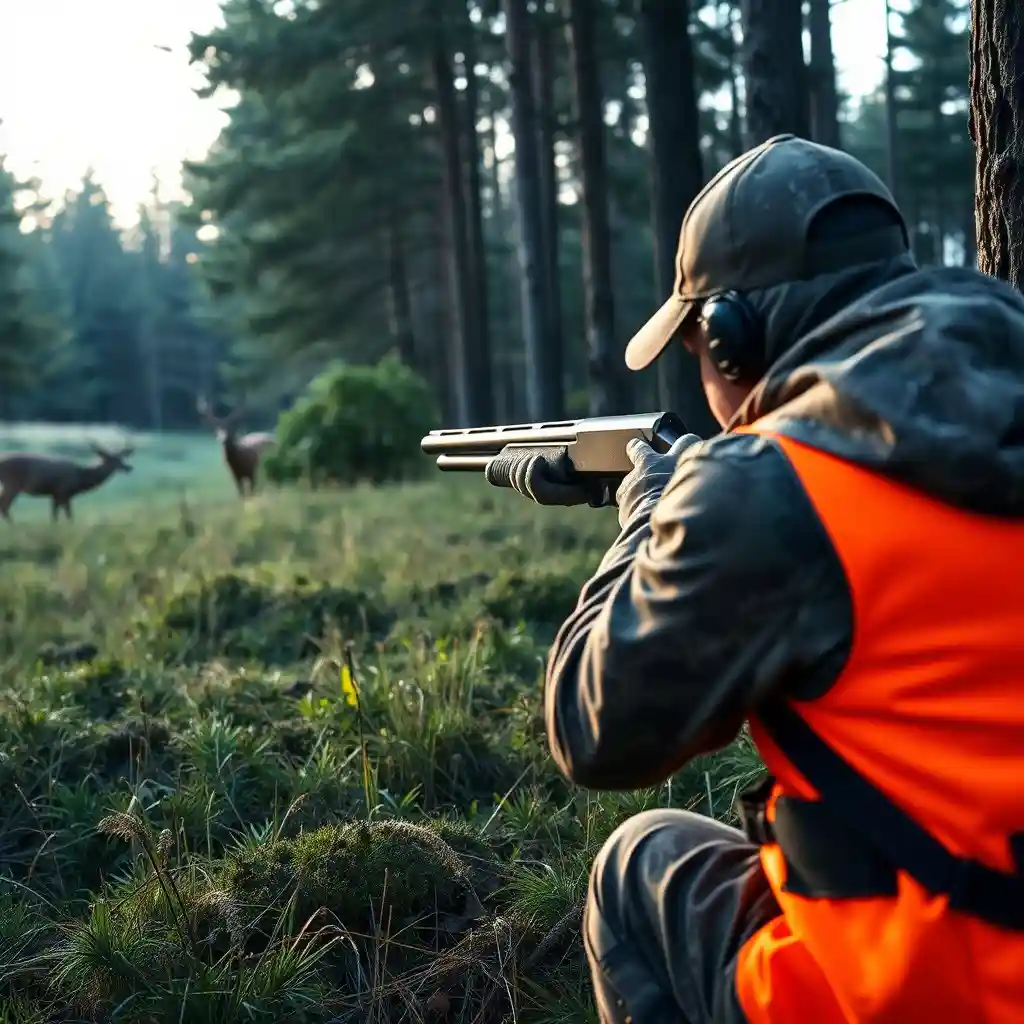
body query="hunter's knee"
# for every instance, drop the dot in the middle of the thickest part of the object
(629, 875)
(632, 862)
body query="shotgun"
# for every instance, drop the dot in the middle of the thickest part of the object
(590, 451)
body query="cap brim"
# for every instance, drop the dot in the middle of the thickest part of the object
(647, 344)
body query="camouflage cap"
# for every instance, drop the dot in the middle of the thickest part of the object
(748, 227)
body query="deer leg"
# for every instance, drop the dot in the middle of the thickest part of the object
(54, 509)
(67, 510)
(7, 497)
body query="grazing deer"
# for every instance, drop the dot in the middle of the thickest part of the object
(60, 480)
(241, 452)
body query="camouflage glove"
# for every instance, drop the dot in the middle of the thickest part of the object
(543, 476)
(650, 475)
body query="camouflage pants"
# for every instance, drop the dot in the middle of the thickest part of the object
(673, 896)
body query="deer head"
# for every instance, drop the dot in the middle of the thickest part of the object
(225, 427)
(114, 460)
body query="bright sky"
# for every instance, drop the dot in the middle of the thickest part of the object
(83, 84)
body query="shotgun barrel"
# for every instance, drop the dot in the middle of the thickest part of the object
(593, 448)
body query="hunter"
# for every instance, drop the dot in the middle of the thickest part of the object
(840, 568)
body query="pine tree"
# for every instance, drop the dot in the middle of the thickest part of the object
(29, 332)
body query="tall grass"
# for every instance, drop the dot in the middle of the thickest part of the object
(285, 761)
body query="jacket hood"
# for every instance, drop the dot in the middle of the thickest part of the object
(921, 378)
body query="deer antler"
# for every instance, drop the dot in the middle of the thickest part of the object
(203, 408)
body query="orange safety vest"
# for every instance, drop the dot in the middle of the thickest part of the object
(892, 824)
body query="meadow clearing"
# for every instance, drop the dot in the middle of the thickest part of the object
(284, 761)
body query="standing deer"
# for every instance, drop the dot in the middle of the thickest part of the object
(241, 452)
(49, 476)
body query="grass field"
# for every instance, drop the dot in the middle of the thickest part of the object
(285, 762)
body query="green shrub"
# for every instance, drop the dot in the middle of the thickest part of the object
(355, 423)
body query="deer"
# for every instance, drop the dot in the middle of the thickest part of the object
(59, 479)
(241, 451)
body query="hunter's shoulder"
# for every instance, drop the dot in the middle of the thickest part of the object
(736, 484)
(734, 460)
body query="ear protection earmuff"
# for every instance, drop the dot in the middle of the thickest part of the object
(735, 337)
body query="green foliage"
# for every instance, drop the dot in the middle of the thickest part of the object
(29, 334)
(355, 423)
(934, 154)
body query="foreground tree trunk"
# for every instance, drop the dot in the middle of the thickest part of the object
(677, 174)
(824, 97)
(542, 377)
(774, 70)
(608, 388)
(997, 130)
(471, 381)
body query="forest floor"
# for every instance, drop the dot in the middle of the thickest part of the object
(286, 761)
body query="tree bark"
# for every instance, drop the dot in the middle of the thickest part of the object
(544, 92)
(774, 70)
(677, 174)
(471, 399)
(542, 377)
(477, 255)
(997, 130)
(824, 97)
(609, 393)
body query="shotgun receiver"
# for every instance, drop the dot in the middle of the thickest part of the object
(592, 451)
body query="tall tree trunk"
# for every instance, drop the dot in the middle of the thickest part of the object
(774, 70)
(400, 311)
(609, 392)
(547, 117)
(444, 320)
(477, 255)
(677, 174)
(824, 97)
(471, 398)
(997, 130)
(543, 383)
(728, 26)
(505, 364)
(892, 133)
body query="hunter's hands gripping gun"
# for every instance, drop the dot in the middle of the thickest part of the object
(588, 452)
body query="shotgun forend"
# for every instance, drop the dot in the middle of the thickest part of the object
(593, 449)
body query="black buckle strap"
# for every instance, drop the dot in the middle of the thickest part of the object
(752, 808)
(972, 887)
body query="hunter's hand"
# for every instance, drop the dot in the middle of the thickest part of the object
(650, 474)
(541, 477)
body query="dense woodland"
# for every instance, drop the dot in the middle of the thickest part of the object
(491, 189)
